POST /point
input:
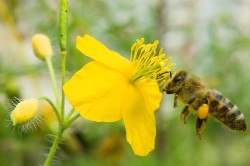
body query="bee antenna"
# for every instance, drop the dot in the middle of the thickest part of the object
(170, 74)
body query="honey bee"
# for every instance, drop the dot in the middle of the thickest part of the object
(198, 98)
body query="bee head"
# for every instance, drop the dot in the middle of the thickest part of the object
(176, 82)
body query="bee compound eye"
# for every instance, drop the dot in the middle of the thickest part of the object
(178, 78)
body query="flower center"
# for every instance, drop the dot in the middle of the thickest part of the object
(147, 64)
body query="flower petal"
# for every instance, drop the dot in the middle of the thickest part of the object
(139, 119)
(97, 51)
(150, 92)
(97, 92)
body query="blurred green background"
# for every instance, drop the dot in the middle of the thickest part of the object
(208, 38)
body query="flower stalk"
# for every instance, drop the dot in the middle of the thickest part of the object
(63, 123)
(63, 19)
(53, 79)
(53, 106)
(54, 146)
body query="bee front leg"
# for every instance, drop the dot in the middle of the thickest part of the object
(175, 100)
(184, 114)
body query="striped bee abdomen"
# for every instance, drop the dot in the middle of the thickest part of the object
(225, 111)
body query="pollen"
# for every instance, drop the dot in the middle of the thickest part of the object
(146, 63)
(203, 111)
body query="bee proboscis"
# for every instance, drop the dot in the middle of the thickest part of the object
(199, 98)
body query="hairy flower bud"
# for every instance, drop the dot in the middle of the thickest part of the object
(41, 46)
(24, 111)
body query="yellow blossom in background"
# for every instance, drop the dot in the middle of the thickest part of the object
(111, 147)
(41, 46)
(24, 111)
(111, 88)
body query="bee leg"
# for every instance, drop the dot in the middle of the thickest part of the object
(184, 114)
(201, 120)
(185, 111)
(175, 100)
(200, 126)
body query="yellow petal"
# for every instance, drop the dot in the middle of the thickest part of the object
(138, 115)
(150, 92)
(97, 51)
(97, 92)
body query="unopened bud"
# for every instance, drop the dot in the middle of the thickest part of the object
(24, 111)
(41, 46)
(48, 115)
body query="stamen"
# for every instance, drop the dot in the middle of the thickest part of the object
(171, 65)
(167, 59)
(147, 64)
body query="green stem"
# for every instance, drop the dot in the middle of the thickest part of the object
(53, 79)
(53, 106)
(54, 146)
(68, 123)
(63, 19)
(63, 56)
(70, 113)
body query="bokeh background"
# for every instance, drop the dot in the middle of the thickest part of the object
(209, 38)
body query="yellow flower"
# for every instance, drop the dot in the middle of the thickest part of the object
(111, 88)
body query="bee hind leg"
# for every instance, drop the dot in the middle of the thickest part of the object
(200, 126)
(184, 114)
(201, 121)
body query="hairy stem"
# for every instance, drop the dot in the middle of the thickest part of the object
(54, 146)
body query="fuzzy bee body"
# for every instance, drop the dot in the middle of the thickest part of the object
(202, 100)
(225, 111)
